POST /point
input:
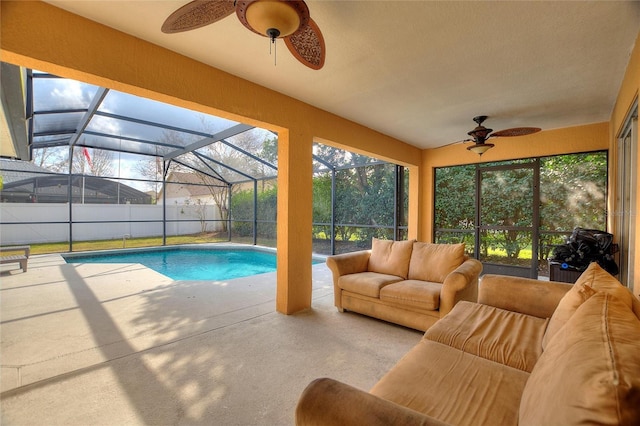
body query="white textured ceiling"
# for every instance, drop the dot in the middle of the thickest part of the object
(421, 70)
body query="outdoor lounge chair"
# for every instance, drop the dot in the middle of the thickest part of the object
(12, 257)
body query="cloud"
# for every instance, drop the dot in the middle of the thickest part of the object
(58, 93)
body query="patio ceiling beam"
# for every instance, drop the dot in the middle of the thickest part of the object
(223, 165)
(249, 177)
(55, 132)
(254, 179)
(130, 139)
(51, 143)
(189, 166)
(213, 170)
(192, 167)
(348, 166)
(151, 123)
(59, 111)
(232, 131)
(247, 153)
(86, 118)
(111, 149)
(45, 75)
(323, 162)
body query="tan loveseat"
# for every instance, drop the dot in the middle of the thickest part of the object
(530, 353)
(405, 282)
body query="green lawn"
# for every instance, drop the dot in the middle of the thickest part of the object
(524, 253)
(63, 247)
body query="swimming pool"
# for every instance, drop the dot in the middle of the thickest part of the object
(191, 263)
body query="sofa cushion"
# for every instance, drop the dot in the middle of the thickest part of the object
(454, 386)
(416, 294)
(593, 279)
(495, 334)
(390, 257)
(366, 283)
(433, 262)
(590, 371)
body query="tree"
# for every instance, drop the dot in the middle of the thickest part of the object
(92, 161)
(506, 202)
(51, 158)
(455, 205)
(151, 168)
(322, 205)
(572, 193)
(364, 195)
(214, 165)
(242, 208)
(200, 210)
(256, 142)
(97, 162)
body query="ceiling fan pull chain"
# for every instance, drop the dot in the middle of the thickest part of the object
(272, 41)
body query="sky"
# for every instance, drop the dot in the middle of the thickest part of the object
(52, 94)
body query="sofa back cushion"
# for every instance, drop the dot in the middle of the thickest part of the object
(590, 371)
(593, 279)
(390, 257)
(433, 262)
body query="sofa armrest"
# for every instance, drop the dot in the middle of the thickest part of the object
(348, 263)
(461, 284)
(524, 295)
(344, 264)
(329, 402)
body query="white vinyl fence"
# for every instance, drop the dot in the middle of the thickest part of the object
(188, 219)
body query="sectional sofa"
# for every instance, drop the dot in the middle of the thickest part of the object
(529, 353)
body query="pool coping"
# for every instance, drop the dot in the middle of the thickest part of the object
(205, 246)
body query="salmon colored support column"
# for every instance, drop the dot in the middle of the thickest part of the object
(295, 212)
(415, 202)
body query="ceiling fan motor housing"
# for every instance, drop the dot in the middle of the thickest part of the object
(273, 18)
(480, 134)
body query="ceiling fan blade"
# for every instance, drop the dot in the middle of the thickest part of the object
(455, 143)
(197, 14)
(307, 45)
(516, 131)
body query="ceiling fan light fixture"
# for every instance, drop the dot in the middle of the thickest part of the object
(273, 18)
(480, 148)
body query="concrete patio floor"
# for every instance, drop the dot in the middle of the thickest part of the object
(121, 344)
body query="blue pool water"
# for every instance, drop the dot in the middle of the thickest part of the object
(196, 264)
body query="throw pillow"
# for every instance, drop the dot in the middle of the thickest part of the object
(390, 257)
(433, 262)
(590, 372)
(593, 279)
(567, 307)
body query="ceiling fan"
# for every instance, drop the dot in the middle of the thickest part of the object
(480, 135)
(286, 19)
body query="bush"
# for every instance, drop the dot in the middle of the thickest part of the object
(242, 212)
